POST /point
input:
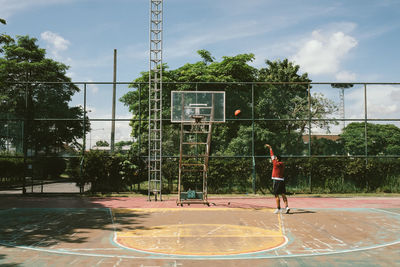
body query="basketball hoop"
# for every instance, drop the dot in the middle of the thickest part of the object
(197, 118)
(196, 122)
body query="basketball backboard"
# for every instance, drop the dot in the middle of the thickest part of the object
(188, 106)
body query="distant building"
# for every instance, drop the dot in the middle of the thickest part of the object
(108, 149)
(333, 137)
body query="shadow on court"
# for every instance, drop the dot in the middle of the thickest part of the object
(2, 257)
(301, 211)
(50, 226)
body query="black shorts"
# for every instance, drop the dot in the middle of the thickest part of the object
(278, 187)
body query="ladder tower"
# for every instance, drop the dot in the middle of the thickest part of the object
(197, 112)
(193, 167)
(155, 101)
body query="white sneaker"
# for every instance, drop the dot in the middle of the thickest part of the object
(287, 210)
(276, 211)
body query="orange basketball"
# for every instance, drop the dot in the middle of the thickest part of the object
(237, 112)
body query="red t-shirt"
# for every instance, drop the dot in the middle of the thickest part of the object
(278, 167)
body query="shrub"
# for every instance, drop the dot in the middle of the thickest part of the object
(48, 167)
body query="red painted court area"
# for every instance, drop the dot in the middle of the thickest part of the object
(241, 231)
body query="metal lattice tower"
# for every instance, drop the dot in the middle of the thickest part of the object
(155, 100)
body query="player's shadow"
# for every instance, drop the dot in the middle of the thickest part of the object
(300, 211)
(3, 257)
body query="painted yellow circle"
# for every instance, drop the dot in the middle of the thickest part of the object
(201, 239)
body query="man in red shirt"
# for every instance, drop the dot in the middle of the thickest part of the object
(278, 181)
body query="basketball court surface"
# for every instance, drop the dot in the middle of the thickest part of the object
(131, 231)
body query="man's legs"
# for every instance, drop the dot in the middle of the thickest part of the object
(286, 203)
(285, 200)
(278, 204)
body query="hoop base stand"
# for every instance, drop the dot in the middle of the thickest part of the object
(193, 166)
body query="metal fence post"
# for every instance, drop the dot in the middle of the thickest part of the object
(24, 140)
(252, 140)
(365, 134)
(309, 136)
(140, 120)
(82, 186)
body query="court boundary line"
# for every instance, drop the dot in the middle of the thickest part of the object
(65, 252)
(385, 211)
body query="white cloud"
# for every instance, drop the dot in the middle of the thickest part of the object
(382, 102)
(323, 53)
(55, 43)
(395, 95)
(345, 76)
(101, 130)
(93, 87)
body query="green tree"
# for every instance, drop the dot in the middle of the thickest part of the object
(324, 146)
(23, 69)
(4, 38)
(286, 102)
(119, 145)
(382, 139)
(206, 56)
(276, 101)
(102, 143)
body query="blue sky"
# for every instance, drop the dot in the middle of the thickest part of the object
(336, 40)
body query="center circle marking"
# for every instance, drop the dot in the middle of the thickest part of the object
(201, 239)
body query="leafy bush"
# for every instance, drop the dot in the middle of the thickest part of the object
(334, 175)
(110, 173)
(11, 170)
(74, 170)
(48, 167)
(229, 175)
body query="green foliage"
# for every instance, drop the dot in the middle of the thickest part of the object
(276, 101)
(4, 38)
(11, 166)
(120, 144)
(342, 85)
(382, 139)
(206, 56)
(73, 170)
(334, 175)
(24, 61)
(170, 172)
(48, 167)
(229, 175)
(111, 173)
(11, 171)
(323, 146)
(102, 143)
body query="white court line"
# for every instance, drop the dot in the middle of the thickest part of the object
(282, 224)
(188, 257)
(395, 213)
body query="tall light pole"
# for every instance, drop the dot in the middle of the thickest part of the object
(113, 102)
(342, 87)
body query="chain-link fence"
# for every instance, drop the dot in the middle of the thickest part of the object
(332, 137)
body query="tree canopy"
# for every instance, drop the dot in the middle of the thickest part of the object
(285, 101)
(382, 139)
(23, 96)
